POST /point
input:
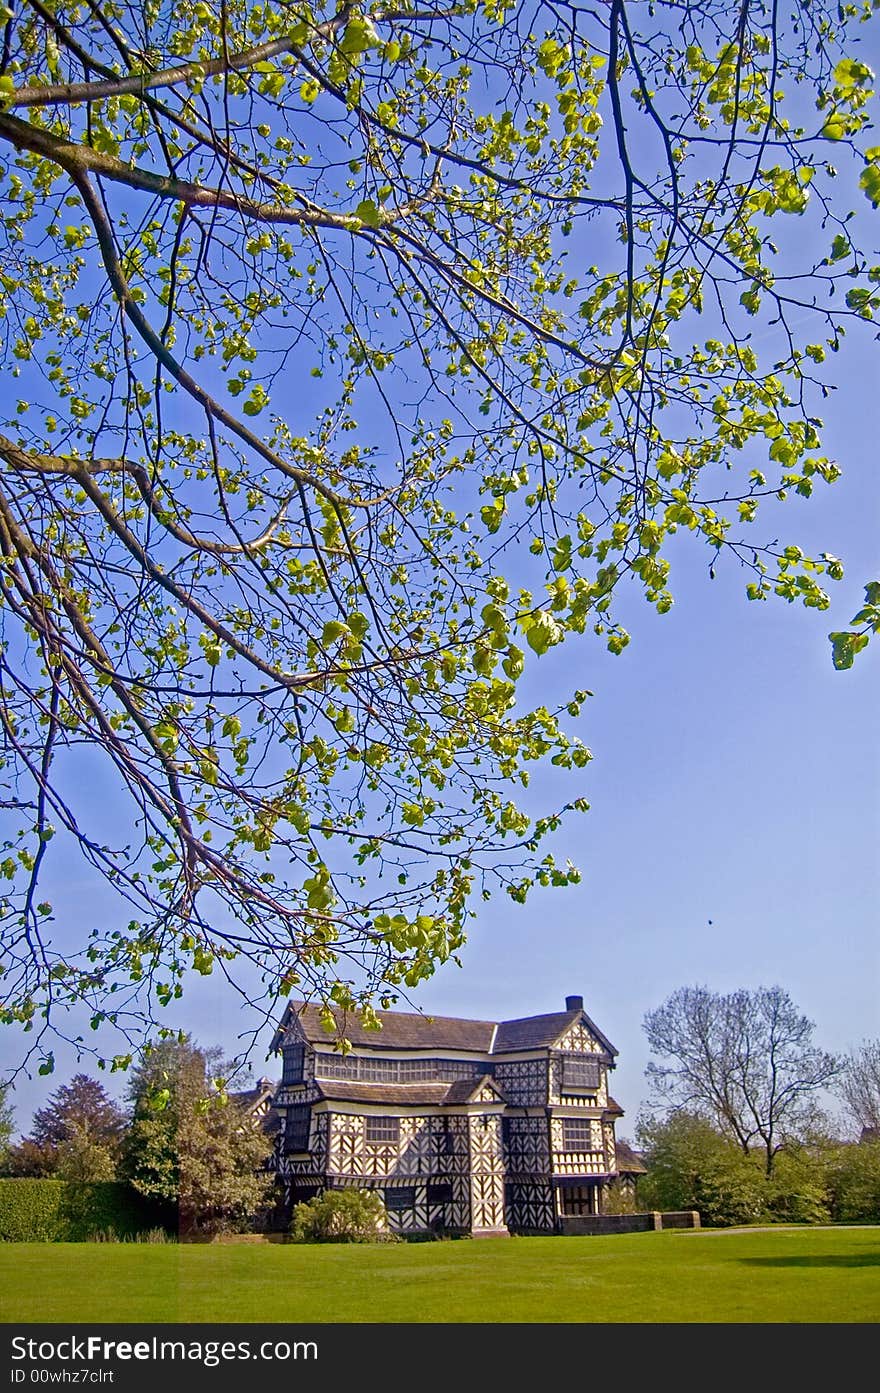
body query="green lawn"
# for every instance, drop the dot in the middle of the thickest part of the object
(786, 1275)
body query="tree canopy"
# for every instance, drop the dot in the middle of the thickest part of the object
(190, 1145)
(356, 354)
(79, 1107)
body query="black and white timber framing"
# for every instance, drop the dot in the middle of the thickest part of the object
(479, 1127)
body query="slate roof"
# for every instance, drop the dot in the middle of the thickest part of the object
(400, 1030)
(539, 1032)
(414, 1031)
(629, 1161)
(533, 1032)
(402, 1094)
(250, 1097)
(614, 1107)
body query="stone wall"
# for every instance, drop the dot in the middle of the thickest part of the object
(652, 1221)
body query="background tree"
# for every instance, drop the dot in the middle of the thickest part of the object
(81, 1109)
(26, 1160)
(360, 353)
(189, 1145)
(744, 1060)
(692, 1164)
(860, 1087)
(853, 1179)
(81, 1158)
(7, 1127)
(76, 1136)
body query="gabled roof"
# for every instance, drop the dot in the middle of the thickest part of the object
(629, 1161)
(614, 1108)
(539, 1032)
(400, 1030)
(410, 1030)
(252, 1097)
(463, 1090)
(533, 1032)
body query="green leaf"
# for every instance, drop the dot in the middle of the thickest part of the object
(844, 647)
(368, 213)
(492, 515)
(358, 36)
(257, 401)
(850, 73)
(544, 632)
(869, 181)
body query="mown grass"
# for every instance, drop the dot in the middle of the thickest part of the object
(785, 1275)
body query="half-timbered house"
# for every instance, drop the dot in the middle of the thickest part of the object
(479, 1127)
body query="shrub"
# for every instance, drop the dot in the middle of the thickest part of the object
(30, 1211)
(691, 1166)
(797, 1191)
(854, 1182)
(341, 1216)
(619, 1198)
(57, 1211)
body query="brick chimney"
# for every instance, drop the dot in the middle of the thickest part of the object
(574, 1003)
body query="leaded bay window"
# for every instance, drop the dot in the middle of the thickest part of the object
(367, 1069)
(577, 1134)
(580, 1074)
(296, 1128)
(293, 1064)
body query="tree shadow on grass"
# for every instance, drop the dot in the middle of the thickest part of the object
(871, 1259)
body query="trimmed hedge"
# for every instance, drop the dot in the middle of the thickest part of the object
(60, 1211)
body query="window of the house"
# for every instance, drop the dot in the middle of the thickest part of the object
(416, 1070)
(293, 1066)
(580, 1075)
(402, 1197)
(379, 1070)
(296, 1128)
(577, 1200)
(439, 1194)
(577, 1134)
(382, 1129)
(335, 1066)
(444, 1139)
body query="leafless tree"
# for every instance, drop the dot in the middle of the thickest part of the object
(745, 1060)
(860, 1087)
